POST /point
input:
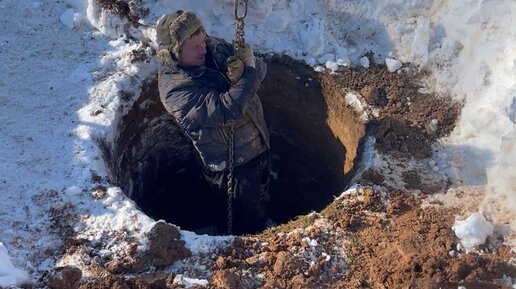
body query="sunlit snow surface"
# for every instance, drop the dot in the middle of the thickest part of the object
(63, 68)
(9, 275)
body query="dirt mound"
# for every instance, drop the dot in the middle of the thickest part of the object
(359, 242)
(408, 118)
(409, 247)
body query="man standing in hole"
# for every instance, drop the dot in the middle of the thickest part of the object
(214, 102)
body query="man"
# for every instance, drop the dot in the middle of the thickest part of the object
(216, 105)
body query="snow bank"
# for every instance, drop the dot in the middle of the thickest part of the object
(9, 275)
(476, 59)
(473, 231)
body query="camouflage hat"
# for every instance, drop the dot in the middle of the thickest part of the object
(173, 29)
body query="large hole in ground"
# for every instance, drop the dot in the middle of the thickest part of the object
(315, 140)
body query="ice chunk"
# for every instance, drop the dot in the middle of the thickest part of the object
(364, 61)
(473, 231)
(189, 282)
(392, 64)
(67, 18)
(344, 62)
(331, 65)
(73, 190)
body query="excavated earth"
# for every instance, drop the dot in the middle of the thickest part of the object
(379, 236)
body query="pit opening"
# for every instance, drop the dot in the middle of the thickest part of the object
(315, 141)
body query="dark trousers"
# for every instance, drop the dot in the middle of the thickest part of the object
(251, 184)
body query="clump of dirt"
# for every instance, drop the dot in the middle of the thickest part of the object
(66, 277)
(164, 248)
(412, 179)
(402, 140)
(106, 280)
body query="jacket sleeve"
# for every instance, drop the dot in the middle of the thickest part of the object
(240, 94)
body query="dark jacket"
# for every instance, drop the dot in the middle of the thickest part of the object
(204, 104)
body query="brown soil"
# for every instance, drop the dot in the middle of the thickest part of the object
(405, 246)
(398, 245)
(403, 127)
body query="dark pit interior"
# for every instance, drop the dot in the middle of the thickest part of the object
(315, 140)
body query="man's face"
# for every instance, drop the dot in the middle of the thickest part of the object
(193, 50)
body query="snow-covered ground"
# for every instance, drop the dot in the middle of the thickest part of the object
(65, 64)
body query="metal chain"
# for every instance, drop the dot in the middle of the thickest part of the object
(239, 23)
(231, 190)
(239, 42)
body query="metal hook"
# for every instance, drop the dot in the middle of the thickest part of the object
(236, 4)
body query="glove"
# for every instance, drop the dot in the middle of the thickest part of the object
(235, 68)
(245, 53)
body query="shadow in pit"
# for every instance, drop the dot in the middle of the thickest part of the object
(157, 167)
(307, 158)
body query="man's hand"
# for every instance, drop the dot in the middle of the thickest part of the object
(245, 53)
(235, 68)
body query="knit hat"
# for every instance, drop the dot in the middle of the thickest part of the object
(172, 30)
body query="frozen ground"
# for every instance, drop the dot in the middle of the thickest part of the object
(65, 64)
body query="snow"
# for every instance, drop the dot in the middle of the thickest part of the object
(64, 67)
(9, 275)
(353, 100)
(473, 231)
(73, 190)
(202, 244)
(67, 18)
(392, 64)
(189, 282)
(364, 61)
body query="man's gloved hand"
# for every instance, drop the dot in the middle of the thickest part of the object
(245, 53)
(235, 68)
